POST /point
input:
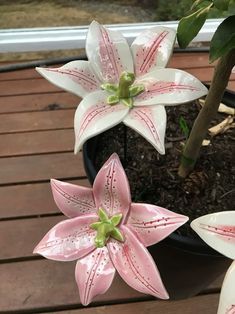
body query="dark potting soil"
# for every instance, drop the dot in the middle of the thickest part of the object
(153, 177)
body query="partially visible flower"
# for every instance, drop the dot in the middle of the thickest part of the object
(125, 84)
(218, 231)
(107, 232)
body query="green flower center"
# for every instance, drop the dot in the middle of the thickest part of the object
(125, 91)
(106, 227)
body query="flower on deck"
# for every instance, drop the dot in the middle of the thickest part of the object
(107, 232)
(218, 231)
(125, 84)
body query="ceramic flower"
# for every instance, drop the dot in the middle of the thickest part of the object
(218, 231)
(125, 84)
(107, 232)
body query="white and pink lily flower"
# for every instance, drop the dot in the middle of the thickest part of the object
(218, 231)
(106, 232)
(125, 84)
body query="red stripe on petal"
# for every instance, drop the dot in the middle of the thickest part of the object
(230, 310)
(144, 116)
(81, 203)
(146, 57)
(222, 230)
(159, 88)
(94, 274)
(94, 113)
(82, 77)
(157, 223)
(110, 59)
(131, 261)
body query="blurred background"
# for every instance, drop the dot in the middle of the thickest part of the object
(55, 13)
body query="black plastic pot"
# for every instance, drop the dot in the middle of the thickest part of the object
(187, 266)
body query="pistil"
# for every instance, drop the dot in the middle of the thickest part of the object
(125, 91)
(106, 227)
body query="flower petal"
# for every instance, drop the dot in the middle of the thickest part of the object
(73, 200)
(169, 87)
(152, 49)
(76, 77)
(94, 274)
(108, 52)
(227, 295)
(218, 231)
(136, 266)
(151, 223)
(150, 122)
(111, 188)
(68, 240)
(93, 116)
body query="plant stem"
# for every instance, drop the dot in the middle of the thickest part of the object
(219, 82)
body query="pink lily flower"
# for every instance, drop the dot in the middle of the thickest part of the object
(107, 232)
(218, 231)
(125, 84)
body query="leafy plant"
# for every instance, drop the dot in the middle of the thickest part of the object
(222, 47)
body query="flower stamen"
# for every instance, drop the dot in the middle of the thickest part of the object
(106, 228)
(125, 91)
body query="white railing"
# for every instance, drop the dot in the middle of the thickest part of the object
(55, 38)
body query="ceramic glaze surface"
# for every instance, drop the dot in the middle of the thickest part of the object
(98, 81)
(106, 212)
(218, 231)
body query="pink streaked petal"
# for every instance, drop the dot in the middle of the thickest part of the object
(111, 188)
(93, 116)
(136, 266)
(150, 122)
(169, 87)
(108, 52)
(73, 200)
(68, 240)
(152, 49)
(218, 231)
(151, 223)
(76, 77)
(94, 274)
(227, 295)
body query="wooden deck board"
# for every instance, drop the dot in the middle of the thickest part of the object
(18, 144)
(24, 87)
(38, 102)
(40, 168)
(30, 200)
(51, 284)
(43, 283)
(36, 143)
(196, 305)
(36, 121)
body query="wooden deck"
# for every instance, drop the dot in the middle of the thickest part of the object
(36, 144)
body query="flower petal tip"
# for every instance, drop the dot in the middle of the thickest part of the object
(36, 250)
(40, 70)
(165, 296)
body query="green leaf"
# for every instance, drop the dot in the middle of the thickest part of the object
(184, 126)
(224, 39)
(112, 88)
(136, 90)
(190, 26)
(95, 225)
(102, 215)
(112, 100)
(221, 4)
(128, 102)
(116, 234)
(116, 219)
(197, 3)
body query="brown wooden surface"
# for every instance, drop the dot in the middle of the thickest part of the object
(36, 143)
